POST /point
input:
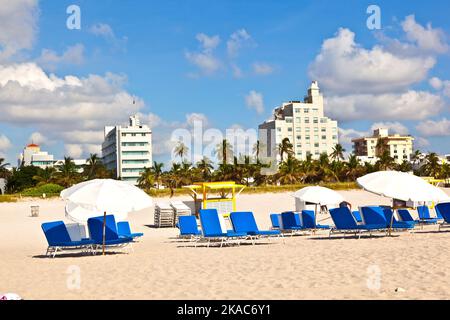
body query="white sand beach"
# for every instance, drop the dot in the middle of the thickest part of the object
(162, 267)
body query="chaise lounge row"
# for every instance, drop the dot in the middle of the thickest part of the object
(116, 235)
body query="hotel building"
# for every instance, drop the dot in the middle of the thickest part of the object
(304, 124)
(128, 150)
(33, 156)
(368, 149)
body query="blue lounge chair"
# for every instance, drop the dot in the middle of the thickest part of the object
(357, 216)
(291, 222)
(244, 222)
(344, 222)
(424, 215)
(309, 221)
(444, 210)
(124, 230)
(112, 238)
(188, 227)
(274, 218)
(58, 239)
(212, 228)
(405, 216)
(384, 215)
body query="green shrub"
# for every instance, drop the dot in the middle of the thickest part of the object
(49, 189)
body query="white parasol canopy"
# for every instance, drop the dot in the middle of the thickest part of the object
(95, 197)
(319, 195)
(401, 186)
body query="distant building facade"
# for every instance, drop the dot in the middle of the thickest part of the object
(368, 149)
(128, 150)
(304, 124)
(33, 156)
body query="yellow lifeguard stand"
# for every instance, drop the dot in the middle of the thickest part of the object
(215, 195)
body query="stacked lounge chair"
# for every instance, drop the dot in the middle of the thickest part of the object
(179, 209)
(58, 239)
(290, 222)
(275, 220)
(444, 210)
(344, 222)
(164, 216)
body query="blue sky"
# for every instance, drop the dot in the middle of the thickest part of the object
(185, 60)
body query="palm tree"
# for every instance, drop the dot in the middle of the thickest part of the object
(146, 179)
(181, 150)
(285, 147)
(415, 157)
(385, 161)
(205, 167)
(157, 172)
(93, 166)
(3, 171)
(45, 176)
(224, 152)
(431, 167)
(338, 152)
(405, 166)
(289, 172)
(67, 174)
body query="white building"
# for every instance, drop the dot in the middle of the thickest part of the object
(33, 156)
(304, 124)
(368, 149)
(128, 150)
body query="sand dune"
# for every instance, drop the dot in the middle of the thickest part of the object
(162, 267)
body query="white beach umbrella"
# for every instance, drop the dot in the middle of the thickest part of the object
(104, 196)
(401, 186)
(319, 195)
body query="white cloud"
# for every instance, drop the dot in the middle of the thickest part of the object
(432, 128)
(237, 72)
(73, 150)
(436, 83)
(261, 68)
(426, 38)
(346, 136)
(394, 127)
(344, 67)
(411, 105)
(105, 31)
(50, 60)
(73, 109)
(237, 40)
(255, 100)
(205, 59)
(5, 144)
(208, 43)
(18, 25)
(38, 138)
(192, 118)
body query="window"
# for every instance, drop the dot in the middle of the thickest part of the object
(316, 137)
(315, 110)
(298, 119)
(307, 130)
(307, 137)
(143, 134)
(299, 145)
(324, 137)
(288, 120)
(316, 129)
(298, 129)
(297, 110)
(306, 120)
(323, 120)
(316, 120)
(279, 129)
(316, 145)
(323, 130)
(306, 110)
(299, 137)
(290, 129)
(334, 137)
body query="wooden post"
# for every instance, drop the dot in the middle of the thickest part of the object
(104, 231)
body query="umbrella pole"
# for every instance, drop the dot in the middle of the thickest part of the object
(104, 232)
